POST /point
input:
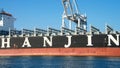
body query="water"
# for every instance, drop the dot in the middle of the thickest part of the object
(59, 62)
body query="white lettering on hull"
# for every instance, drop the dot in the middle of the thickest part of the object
(111, 38)
(49, 42)
(89, 40)
(69, 42)
(26, 42)
(5, 43)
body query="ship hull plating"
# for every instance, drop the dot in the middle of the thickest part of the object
(108, 52)
(75, 45)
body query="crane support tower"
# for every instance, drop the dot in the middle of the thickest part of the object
(71, 14)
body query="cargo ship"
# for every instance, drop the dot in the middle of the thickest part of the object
(70, 40)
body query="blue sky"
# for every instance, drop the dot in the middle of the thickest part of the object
(47, 13)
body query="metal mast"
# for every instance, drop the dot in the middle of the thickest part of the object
(72, 14)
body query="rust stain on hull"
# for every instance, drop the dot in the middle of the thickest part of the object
(112, 52)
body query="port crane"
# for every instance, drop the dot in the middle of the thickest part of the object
(71, 14)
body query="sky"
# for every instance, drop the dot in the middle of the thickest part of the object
(48, 13)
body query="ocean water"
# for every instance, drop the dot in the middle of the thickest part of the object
(59, 62)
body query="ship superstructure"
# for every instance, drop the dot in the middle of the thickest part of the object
(6, 21)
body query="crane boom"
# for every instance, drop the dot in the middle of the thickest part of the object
(72, 14)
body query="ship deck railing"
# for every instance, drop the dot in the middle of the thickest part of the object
(79, 30)
(67, 31)
(55, 32)
(38, 31)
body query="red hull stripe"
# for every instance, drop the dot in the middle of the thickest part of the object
(113, 52)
